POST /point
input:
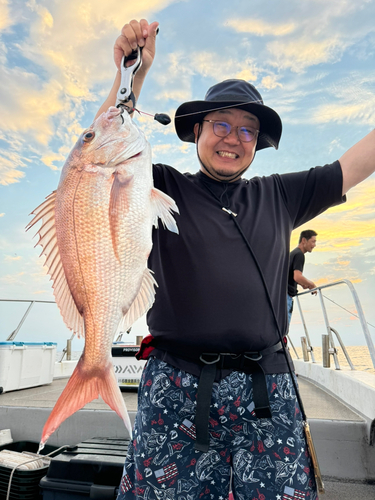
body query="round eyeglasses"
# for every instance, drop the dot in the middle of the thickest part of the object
(222, 129)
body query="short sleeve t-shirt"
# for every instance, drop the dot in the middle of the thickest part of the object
(210, 296)
(296, 263)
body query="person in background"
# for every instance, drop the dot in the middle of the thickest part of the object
(307, 243)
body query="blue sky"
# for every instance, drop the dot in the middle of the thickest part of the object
(312, 60)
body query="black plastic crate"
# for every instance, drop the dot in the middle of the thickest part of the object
(92, 469)
(25, 483)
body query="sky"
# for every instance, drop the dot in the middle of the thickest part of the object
(312, 61)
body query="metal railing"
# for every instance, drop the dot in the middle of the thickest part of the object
(12, 336)
(330, 331)
(66, 351)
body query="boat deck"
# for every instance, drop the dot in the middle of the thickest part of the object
(45, 396)
(318, 404)
(321, 409)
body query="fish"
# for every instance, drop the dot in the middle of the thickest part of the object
(285, 471)
(154, 441)
(96, 236)
(206, 465)
(243, 466)
(159, 386)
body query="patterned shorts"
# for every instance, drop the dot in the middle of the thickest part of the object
(259, 459)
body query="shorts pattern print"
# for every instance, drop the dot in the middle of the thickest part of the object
(259, 459)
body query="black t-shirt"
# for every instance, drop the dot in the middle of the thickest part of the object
(296, 263)
(210, 296)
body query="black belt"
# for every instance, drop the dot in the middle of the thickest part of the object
(247, 362)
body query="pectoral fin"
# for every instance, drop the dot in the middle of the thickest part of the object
(163, 206)
(142, 302)
(118, 205)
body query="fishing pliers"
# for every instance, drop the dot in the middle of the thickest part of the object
(125, 93)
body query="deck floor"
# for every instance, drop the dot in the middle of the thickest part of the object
(318, 404)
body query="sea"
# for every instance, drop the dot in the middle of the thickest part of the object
(359, 355)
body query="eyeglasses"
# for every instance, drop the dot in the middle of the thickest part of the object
(223, 129)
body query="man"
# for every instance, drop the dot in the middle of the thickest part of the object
(307, 242)
(216, 370)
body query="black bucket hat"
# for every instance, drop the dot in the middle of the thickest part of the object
(230, 93)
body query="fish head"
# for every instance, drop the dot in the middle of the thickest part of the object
(110, 141)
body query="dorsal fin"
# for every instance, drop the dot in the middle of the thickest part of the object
(48, 242)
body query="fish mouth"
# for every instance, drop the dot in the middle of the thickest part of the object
(105, 144)
(122, 161)
(119, 159)
(135, 156)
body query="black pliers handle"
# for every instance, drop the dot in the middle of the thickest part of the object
(125, 92)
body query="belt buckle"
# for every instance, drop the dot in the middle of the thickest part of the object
(210, 354)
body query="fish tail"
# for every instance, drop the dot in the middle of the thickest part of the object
(82, 388)
(111, 394)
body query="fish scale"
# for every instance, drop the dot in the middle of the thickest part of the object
(96, 234)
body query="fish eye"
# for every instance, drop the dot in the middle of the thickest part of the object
(89, 136)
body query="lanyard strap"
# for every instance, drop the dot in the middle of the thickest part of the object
(233, 217)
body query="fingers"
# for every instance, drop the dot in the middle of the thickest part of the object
(134, 31)
(144, 28)
(135, 34)
(153, 29)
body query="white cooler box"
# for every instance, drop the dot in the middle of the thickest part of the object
(128, 369)
(26, 364)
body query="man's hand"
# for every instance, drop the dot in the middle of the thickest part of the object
(309, 284)
(136, 34)
(132, 35)
(302, 281)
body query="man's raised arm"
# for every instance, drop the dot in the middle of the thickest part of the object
(133, 34)
(358, 162)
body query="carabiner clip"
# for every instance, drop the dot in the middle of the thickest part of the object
(125, 92)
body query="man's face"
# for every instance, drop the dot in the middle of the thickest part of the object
(309, 244)
(226, 157)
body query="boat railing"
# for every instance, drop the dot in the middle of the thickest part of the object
(66, 351)
(13, 335)
(329, 347)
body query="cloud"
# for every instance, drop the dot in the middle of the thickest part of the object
(343, 263)
(308, 33)
(5, 20)
(269, 82)
(260, 28)
(161, 148)
(346, 227)
(12, 257)
(14, 279)
(93, 26)
(50, 158)
(348, 104)
(9, 163)
(27, 104)
(43, 101)
(301, 53)
(175, 79)
(175, 76)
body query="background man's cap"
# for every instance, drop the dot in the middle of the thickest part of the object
(230, 93)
